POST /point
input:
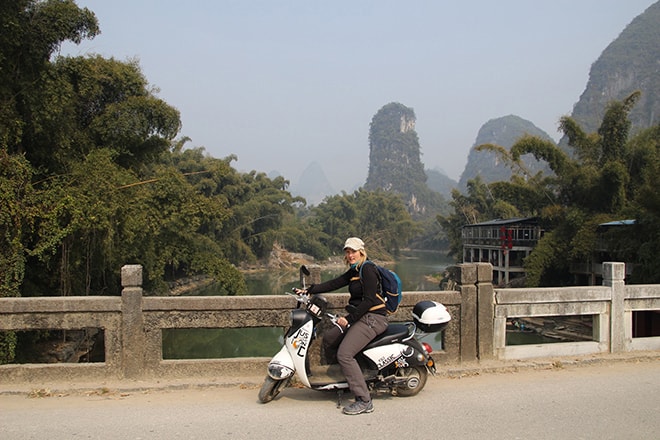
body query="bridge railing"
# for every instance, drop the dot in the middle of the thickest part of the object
(611, 305)
(133, 324)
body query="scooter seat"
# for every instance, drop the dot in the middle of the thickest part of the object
(394, 333)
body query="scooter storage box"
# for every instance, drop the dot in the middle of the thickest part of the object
(430, 316)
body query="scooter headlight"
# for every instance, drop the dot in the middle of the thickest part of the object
(279, 371)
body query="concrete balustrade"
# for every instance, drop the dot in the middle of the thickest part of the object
(133, 323)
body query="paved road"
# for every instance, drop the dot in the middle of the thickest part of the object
(619, 400)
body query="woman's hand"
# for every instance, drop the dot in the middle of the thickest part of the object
(299, 291)
(343, 322)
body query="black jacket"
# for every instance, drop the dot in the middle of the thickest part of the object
(363, 293)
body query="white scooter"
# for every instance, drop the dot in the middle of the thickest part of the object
(394, 361)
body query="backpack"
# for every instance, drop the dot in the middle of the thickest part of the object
(390, 287)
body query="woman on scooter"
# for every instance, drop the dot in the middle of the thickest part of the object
(367, 318)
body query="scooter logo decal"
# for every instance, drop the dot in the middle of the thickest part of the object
(406, 353)
(399, 357)
(300, 342)
(401, 363)
(386, 360)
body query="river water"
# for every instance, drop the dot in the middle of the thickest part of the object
(415, 268)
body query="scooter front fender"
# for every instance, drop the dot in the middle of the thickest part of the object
(281, 366)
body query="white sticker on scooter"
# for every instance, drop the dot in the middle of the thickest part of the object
(387, 354)
(300, 341)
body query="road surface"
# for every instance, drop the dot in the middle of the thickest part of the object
(617, 400)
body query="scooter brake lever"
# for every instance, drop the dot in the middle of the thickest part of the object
(333, 319)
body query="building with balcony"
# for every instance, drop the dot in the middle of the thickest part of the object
(502, 243)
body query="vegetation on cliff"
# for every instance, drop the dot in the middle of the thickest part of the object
(628, 64)
(395, 163)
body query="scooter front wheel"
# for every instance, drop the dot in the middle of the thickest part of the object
(271, 388)
(411, 380)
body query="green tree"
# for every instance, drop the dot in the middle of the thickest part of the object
(170, 231)
(605, 176)
(17, 210)
(380, 218)
(86, 103)
(31, 32)
(478, 205)
(257, 206)
(89, 136)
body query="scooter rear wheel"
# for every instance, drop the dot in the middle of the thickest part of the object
(271, 388)
(415, 380)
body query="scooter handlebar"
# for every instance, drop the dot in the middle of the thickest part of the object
(300, 297)
(303, 297)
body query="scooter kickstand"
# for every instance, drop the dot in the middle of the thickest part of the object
(339, 394)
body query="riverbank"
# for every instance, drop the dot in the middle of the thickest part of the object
(282, 259)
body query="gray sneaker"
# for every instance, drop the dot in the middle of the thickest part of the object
(359, 407)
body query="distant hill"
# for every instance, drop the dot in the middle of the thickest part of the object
(313, 185)
(394, 157)
(439, 181)
(394, 151)
(504, 131)
(629, 63)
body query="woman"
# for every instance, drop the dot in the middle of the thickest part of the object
(367, 318)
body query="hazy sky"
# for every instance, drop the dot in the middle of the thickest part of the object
(283, 83)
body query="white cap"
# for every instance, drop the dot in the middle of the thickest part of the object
(354, 243)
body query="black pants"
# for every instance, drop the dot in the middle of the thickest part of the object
(346, 345)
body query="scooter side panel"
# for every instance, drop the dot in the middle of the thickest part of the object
(384, 355)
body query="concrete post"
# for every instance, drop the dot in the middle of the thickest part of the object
(613, 277)
(467, 278)
(132, 325)
(486, 311)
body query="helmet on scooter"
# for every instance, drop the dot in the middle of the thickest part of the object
(430, 316)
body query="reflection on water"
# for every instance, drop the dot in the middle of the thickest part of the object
(414, 268)
(274, 282)
(219, 343)
(521, 338)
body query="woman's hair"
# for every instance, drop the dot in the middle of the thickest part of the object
(362, 259)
